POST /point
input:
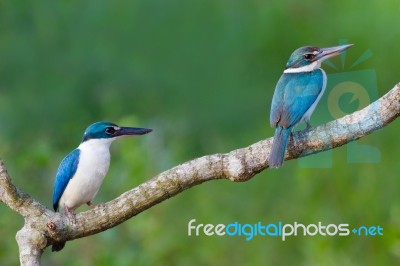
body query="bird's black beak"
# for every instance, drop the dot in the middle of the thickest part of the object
(332, 51)
(131, 131)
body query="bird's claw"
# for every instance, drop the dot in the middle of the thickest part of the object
(100, 205)
(308, 127)
(92, 206)
(70, 215)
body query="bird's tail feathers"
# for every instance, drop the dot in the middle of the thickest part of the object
(277, 154)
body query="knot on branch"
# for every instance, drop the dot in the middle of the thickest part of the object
(235, 168)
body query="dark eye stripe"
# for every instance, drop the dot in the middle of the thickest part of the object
(309, 56)
(110, 130)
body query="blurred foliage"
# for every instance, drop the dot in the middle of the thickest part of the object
(201, 74)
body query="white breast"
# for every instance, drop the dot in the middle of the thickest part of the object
(94, 160)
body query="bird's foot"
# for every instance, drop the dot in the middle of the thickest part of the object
(308, 127)
(92, 206)
(70, 215)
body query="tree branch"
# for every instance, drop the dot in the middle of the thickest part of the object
(44, 227)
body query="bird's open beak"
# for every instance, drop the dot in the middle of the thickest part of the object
(332, 51)
(130, 131)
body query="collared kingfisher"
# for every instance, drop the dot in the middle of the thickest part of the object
(296, 95)
(81, 172)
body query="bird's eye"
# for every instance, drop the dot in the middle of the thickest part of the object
(309, 56)
(110, 130)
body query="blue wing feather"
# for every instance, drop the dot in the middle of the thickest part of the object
(65, 172)
(294, 95)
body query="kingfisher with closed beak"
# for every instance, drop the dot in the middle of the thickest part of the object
(81, 172)
(296, 95)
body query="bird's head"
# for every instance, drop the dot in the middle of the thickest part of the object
(308, 58)
(107, 130)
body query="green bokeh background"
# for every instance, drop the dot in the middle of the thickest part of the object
(202, 75)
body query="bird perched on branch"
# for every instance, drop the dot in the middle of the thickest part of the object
(81, 172)
(296, 95)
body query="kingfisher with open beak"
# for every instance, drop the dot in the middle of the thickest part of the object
(296, 95)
